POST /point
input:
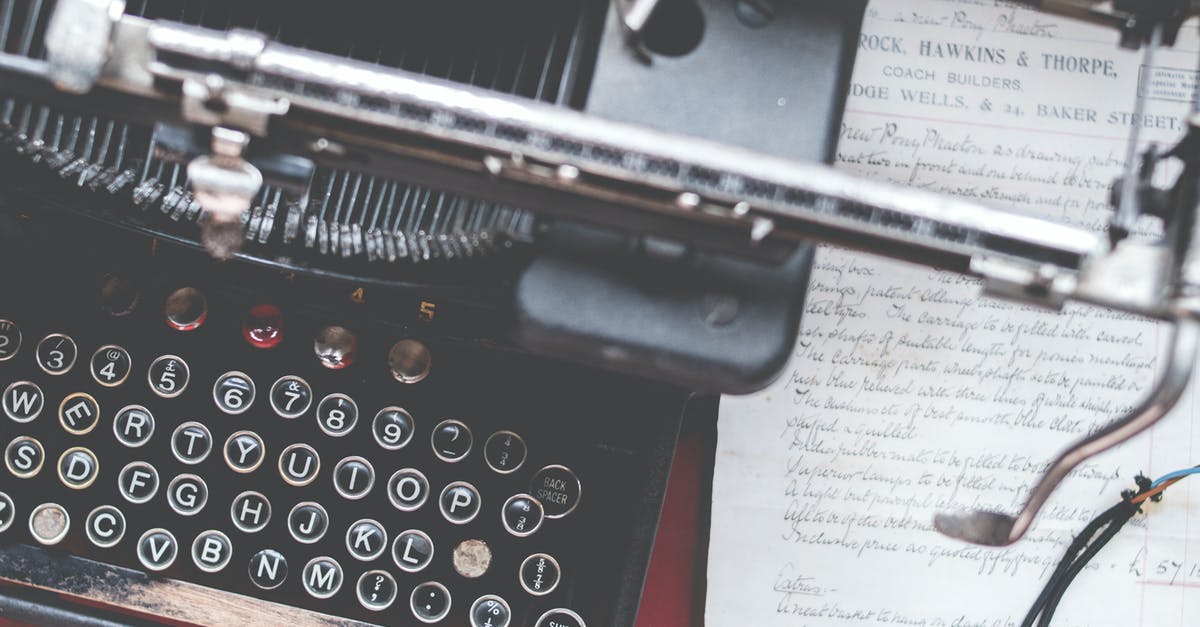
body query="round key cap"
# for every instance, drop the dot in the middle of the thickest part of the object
(539, 574)
(337, 414)
(353, 477)
(308, 522)
(459, 502)
(522, 515)
(560, 617)
(244, 452)
(407, 489)
(110, 365)
(187, 494)
(105, 526)
(299, 464)
(186, 309)
(558, 489)
(211, 551)
(24, 457)
(157, 549)
(138, 482)
(490, 610)
(263, 326)
(322, 577)
(168, 376)
(335, 347)
(119, 295)
(393, 428)
(429, 602)
(8, 511)
(366, 540)
(23, 401)
(504, 451)
(191, 442)
(10, 339)
(233, 392)
(451, 440)
(412, 550)
(376, 590)
(49, 523)
(268, 569)
(133, 425)
(56, 354)
(471, 558)
(409, 361)
(79, 413)
(78, 468)
(291, 396)
(251, 511)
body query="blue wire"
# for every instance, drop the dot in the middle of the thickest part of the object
(1175, 475)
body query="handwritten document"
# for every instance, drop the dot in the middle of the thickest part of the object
(909, 393)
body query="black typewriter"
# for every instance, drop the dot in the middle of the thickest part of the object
(395, 404)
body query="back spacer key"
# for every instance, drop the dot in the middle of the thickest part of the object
(557, 488)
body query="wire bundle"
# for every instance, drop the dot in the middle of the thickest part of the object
(1094, 537)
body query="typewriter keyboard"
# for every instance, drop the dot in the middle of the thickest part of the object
(340, 466)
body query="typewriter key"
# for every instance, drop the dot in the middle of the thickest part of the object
(263, 326)
(168, 376)
(504, 451)
(56, 353)
(539, 574)
(233, 392)
(268, 569)
(211, 551)
(353, 477)
(429, 602)
(522, 515)
(490, 610)
(337, 414)
(133, 425)
(393, 428)
(119, 296)
(187, 494)
(250, 511)
(471, 558)
(322, 577)
(307, 522)
(24, 457)
(156, 549)
(366, 540)
(191, 443)
(335, 347)
(10, 339)
(407, 489)
(291, 396)
(244, 451)
(110, 365)
(451, 440)
(49, 523)
(23, 401)
(79, 413)
(376, 590)
(105, 526)
(412, 550)
(459, 502)
(409, 361)
(558, 489)
(186, 309)
(78, 468)
(138, 482)
(8, 511)
(299, 464)
(560, 617)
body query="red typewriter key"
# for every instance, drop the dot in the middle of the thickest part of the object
(263, 326)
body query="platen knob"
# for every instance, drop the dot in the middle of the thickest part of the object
(409, 360)
(336, 347)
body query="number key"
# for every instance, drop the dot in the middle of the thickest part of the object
(234, 392)
(10, 339)
(56, 353)
(111, 365)
(291, 396)
(168, 376)
(337, 414)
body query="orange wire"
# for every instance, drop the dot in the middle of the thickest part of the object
(1146, 495)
